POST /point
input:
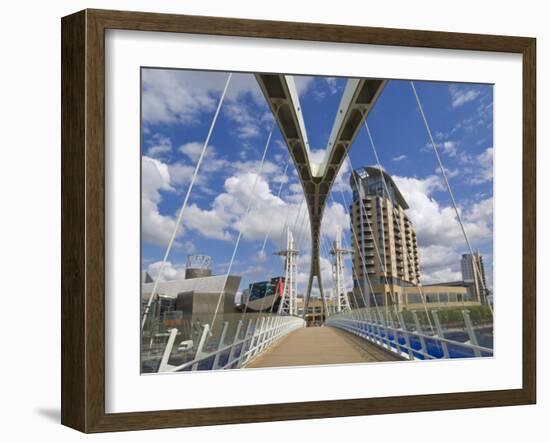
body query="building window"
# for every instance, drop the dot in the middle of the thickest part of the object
(431, 297)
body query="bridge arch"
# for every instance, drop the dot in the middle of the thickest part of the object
(358, 98)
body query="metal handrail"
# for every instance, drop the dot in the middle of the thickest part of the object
(423, 335)
(378, 331)
(260, 334)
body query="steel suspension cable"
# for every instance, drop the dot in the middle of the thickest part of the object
(358, 248)
(268, 233)
(248, 207)
(184, 204)
(304, 227)
(361, 252)
(364, 211)
(326, 251)
(444, 174)
(385, 185)
(284, 245)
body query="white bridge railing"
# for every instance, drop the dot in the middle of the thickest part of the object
(412, 341)
(248, 341)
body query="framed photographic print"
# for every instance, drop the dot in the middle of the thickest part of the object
(266, 220)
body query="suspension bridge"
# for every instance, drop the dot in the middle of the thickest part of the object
(397, 322)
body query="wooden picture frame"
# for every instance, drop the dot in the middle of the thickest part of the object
(83, 219)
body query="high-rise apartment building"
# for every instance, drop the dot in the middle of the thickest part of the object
(386, 268)
(473, 273)
(385, 258)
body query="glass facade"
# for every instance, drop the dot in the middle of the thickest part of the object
(259, 290)
(372, 184)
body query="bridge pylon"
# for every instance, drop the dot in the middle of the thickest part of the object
(288, 304)
(337, 252)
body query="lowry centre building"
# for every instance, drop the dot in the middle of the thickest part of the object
(386, 267)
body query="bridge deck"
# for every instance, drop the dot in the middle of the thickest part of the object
(320, 346)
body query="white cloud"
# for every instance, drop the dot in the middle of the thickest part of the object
(484, 167)
(439, 263)
(250, 123)
(269, 214)
(209, 223)
(171, 96)
(439, 275)
(335, 219)
(448, 172)
(226, 215)
(156, 228)
(480, 212)
(159, 146)
(317, 156)
(460, 95)
(435, 224)
(399, 158)
(341, 182)
(170, 272)
(303, 267)
(303, 83)
(193, 150)
(189, 248)
(438, 256)
(439, 236)
(449, 147)
(332, 83)
(180, 173)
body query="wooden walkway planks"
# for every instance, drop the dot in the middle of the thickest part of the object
(321, 346)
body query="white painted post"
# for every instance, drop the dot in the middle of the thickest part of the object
(215, 365)
(372, 327)
(405, 335)
(258, 339)
(365, 326)
(471, 332)
(420, 332)
(272, 332)
(202, 342)
(378, 327)
(382, 323)
(168, 350)
(440, 334)
(246, 339)
(235, 341)
(248, 349)
(276, 330)
(266, 334)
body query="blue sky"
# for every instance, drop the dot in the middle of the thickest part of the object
(178, 107)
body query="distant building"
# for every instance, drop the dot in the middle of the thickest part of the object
(314, 315)
(381, 227)
(386, 265)
(473, 273)
(263, 295)
(196, 296)
(145, 277)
